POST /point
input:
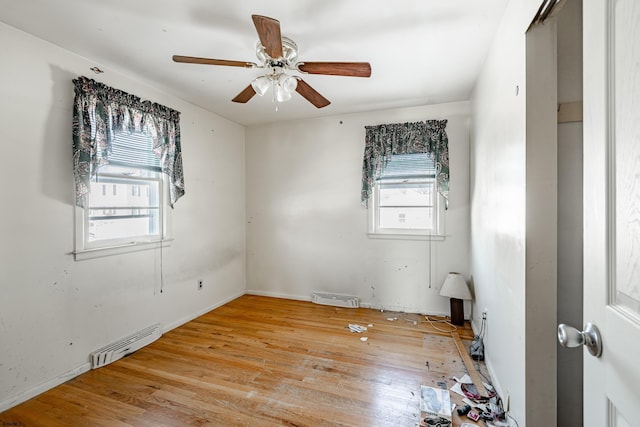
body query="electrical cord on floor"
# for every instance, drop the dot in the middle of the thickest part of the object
(481, 334)
(484, 377)
(479, 369)
(448, 331)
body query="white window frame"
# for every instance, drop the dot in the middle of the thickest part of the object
(84, 249)
(375, 231)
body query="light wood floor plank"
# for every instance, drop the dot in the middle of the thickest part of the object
(260, 361)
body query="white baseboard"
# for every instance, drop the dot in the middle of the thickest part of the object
(42, 387)
(279, 295)
(390, 308)
(402, 309)
(495, 382)
(180, 322)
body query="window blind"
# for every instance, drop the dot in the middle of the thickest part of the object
(407, 166)
(134, 150)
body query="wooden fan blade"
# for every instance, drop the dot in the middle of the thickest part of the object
(310, 94)
(352, 69)
(244, 96)
(269, 33)
(211, 61)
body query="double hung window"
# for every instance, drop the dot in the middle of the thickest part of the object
(125, 195)
(405, 200)
(127, 167)
(126, 205)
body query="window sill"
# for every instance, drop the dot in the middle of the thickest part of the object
(395, 236)
(81, 255)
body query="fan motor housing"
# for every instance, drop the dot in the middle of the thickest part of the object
(289, 54)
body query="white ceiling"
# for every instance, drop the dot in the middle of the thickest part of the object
(421, 51)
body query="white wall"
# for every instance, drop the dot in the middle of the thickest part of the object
(306, 228)
(53, 310)
(499, 214)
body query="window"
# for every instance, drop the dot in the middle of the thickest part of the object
(126, 206)
(122, 215)
(122, 144)
(405, 200)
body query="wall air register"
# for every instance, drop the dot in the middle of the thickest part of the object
(336, 300)
(125, 346)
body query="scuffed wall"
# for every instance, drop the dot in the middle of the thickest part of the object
(306, 228)
(54, 311)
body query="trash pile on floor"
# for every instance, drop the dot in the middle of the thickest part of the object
(436, 408)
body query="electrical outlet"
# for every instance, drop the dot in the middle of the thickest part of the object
(484, 314)
(200, 285)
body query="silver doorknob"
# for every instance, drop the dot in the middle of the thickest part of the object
(568, 336)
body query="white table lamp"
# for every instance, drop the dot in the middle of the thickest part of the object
(455, 287)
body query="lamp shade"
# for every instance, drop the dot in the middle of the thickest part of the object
(281, 93)
(261, 85)
(455, 286)
(288, 83)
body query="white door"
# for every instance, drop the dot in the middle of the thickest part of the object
(612, 209)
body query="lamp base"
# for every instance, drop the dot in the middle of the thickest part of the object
(457, 311)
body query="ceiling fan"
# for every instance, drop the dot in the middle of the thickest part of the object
(277, 55)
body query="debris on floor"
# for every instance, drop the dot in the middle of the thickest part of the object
(435, 407)
(486, 407)
(357, 328)
(434, 421)
(457, 387)
(364, 339)
(470, 391)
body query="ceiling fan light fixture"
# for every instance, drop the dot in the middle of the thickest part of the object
(281, 93)
(261, 84)
(288, 83)
(284, 85)
(277, 55)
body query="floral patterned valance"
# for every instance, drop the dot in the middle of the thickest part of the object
(384, 141)
(100, 112)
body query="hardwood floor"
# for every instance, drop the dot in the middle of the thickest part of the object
(261, 361)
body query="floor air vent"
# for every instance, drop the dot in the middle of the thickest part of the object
(125, 346)
(335, 300)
